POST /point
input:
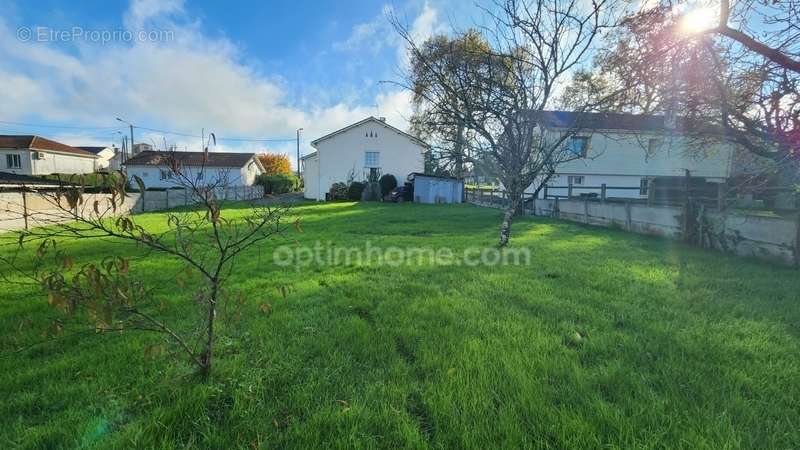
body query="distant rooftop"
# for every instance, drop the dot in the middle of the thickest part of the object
(32, 142)
(94, 150)
(215, 159)
(610, 121)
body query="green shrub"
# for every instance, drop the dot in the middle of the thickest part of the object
(388, 182)
(338, 191)
(278, 184)
(355, 190)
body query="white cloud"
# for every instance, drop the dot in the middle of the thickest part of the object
(373, 35)
(142, 11)
(183, 84)
(379, 33)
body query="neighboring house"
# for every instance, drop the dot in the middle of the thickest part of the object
(106, 157)
(35, 155)
(629, 150)
(370, 146)
(233, 169)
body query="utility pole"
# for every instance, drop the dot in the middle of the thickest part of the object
(298, 151)
(131, 126)
(122, 157)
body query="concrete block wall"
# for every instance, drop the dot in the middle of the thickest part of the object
(41, 210)
(775, 239)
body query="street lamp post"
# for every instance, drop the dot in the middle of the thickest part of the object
(131, 125)
(298, 151)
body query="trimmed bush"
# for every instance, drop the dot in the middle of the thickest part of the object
(338, 191)
(278, 184)
(388, 182)
(355, 190)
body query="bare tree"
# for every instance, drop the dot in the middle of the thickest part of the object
(500, 92)
(106, 295)
(723, 81)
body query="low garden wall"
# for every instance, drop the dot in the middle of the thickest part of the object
(21, 210)
(775, 239)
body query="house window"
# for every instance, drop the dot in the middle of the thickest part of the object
(13, 161)
(575, 180)
(199, 175)
(652, 145)
(371, 159)
(644, 186)
(166, 174)
(578, 145)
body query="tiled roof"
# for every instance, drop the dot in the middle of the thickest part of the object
(32, 142)
(93, 150)
(611, 121)
(215, 159)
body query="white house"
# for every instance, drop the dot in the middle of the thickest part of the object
(233, 169)
(35, 155)
(368, 146)
(106, 157)
(630, 151)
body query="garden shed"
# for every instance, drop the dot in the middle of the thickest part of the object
(434, 189)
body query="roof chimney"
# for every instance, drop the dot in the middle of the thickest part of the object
(382, 119)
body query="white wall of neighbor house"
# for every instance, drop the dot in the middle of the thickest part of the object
(16, 161)
(311, 178)
(338, 155)
(48, 162)
(161, 177)
(104, 159)
(625, 159)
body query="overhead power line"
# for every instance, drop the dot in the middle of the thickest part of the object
(74, 127)
(155, 130)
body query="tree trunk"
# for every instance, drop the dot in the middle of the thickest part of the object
(508, 218)
(459, 152)
(206, 355)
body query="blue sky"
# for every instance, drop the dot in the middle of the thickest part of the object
(241, 69)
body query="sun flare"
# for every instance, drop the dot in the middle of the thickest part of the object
(698, 20)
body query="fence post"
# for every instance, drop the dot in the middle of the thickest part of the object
(167, 197)
(651, 192)
(545, 192)
(25, 207)
(142, 197)
(603, 192)
(586, 211)
(569, 191)
(185, 197)
(628, 219)
(557, 210)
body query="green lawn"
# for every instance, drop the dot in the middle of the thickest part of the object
(679, 348)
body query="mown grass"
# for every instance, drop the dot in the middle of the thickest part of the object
(678, 348)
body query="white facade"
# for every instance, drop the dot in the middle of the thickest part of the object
(106, 159)
(630, 159)
(46, 162)
(355, 150)
(161, 177)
